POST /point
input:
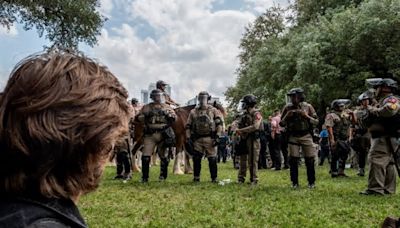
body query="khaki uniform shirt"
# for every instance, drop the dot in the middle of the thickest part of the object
(255, 125)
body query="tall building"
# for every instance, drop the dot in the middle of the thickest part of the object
(194, 100)
(145, 93)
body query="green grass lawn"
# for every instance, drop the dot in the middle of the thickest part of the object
(180, 203)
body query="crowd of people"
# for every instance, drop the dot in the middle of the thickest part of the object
(284, 139)
(63, 116)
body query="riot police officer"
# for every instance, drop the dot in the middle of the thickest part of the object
(383, 122)
(299, 118)
(158, 134)
(123, 158)
(161, 85)
(250, 126)
(359, 136)
(338, 124)
(204, 128)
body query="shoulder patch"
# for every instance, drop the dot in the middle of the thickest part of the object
(391, 99)
(393, 106)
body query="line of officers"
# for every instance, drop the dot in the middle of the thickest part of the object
(373, 124)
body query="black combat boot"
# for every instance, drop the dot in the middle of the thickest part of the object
(310, 166)
(294, 171)
(145, 168)
(212, 164)
(361, 172)
(196, 167)
(334, 167)
(120, 167)
(342, 166)
(164, 169)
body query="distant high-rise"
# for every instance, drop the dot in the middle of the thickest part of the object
(194, 100)
(145, 93)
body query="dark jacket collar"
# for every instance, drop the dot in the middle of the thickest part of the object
(39, 207)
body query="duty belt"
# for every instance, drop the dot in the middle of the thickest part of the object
(378, 134)
(298, 133)
(154, 130)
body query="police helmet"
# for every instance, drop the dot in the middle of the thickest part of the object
(376, 82)
(297, 91)
(340, 102)
(155, 92)
(364, 96)
(249, 100)
(134, 101)
(160, 83)
(205, 93)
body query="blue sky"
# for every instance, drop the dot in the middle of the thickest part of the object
(192, 44)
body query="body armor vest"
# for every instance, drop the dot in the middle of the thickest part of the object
(203, 123)
(296, 124)
(156, 116)
(390, 124)
(245, 120)
(340, 130)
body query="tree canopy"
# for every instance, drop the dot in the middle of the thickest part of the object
(330, 56)
(65, 22)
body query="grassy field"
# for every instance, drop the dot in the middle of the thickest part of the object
(180, 203)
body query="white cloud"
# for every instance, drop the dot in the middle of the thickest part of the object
(106, 6)
(194, 49)
(12, 32)
(261, 5)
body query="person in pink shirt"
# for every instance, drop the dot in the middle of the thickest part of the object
(276, 140)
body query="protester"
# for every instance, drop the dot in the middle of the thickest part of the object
(60, 116)
(323, 145)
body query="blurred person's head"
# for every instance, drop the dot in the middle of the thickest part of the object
(60, 116)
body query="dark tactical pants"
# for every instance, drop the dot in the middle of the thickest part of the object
(123, 163)
(324, 153)
(262, 160)
(361, 145)
(222, 154)
(340, 153)
(277, 151)
(284, 148)
(271, 151)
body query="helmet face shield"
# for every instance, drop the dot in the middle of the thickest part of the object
(374, 82)
(203, 100)
(293, 98)
(241, 106)
(158, 98)
(381, 82)
(341, 104)
(295, 95)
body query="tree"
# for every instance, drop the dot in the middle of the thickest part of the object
(309, 10)
(65, 22)
(329, 57)
(269, 24)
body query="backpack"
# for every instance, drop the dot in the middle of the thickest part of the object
(203, 124)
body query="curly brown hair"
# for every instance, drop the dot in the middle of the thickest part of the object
(60, 115)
